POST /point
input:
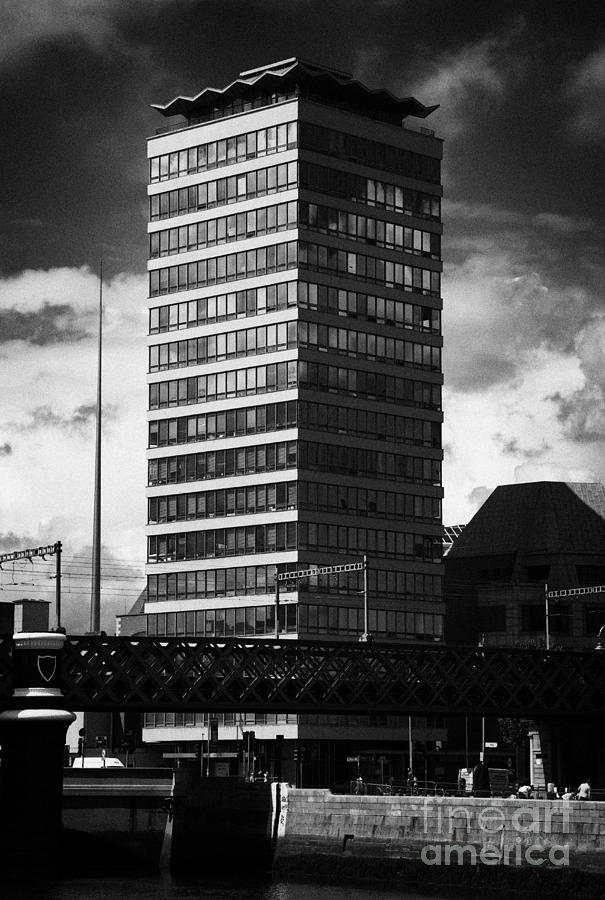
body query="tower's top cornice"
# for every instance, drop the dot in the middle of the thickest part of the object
(299, 75)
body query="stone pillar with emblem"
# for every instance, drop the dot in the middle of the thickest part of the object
(32, 737)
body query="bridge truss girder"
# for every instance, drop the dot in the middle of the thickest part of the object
(291, 676)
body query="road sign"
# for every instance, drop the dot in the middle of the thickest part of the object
(491, 745)
(354, 759)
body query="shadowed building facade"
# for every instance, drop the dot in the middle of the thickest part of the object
(526, 537)
(294, 367)
(524, 540)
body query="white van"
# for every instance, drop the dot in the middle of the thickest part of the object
(97, 762)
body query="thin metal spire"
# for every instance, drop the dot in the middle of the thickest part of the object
(95, 596)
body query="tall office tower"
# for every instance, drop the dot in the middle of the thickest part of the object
(294, 360)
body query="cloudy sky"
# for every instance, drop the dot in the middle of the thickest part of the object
(522, 93)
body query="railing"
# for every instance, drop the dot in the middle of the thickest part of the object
(420, 789)
(449, 789)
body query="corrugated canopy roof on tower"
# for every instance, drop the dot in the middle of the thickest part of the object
(539, 517)
(291, 72)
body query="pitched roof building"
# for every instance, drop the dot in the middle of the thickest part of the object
(526, 537)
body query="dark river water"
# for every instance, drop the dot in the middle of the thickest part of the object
(165, 888)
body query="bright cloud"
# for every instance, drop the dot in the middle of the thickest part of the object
(524, 365)
(47, 419)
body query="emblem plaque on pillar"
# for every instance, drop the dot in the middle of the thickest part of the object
(37, 667)
(33, 743)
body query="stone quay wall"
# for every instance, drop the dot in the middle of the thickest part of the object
(436, 832)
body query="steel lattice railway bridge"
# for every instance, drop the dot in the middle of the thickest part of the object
(268, 675)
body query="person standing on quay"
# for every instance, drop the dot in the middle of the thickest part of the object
(584, 790)
(481, 784)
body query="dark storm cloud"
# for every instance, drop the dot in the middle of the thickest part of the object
(79, 78)
(51, 324)
(70, 164)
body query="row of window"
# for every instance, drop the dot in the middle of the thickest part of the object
(225, 345)
(368, 152)
(288, 375)
(292, 255)
(370, 424)
(364, 345)
(249, 540)
(223, 307)
(369, 385)
(259, 498)
(357, 305)
(228, 423)
(236, 461)
(306, 295)
(223, 463)
(233, 267)
(310, 619)
(288, 176)
(190, 719)
(369, 191)
(385, 624)
(220, 542)
(235, 227)
(368, 463)
(290, 336)
(354, 501)
(262, 498)
(292, 414)
(223, 385)
(319, 258)
(250, 620)
(285, 216)
(319, 538)
(225, 152)
(253, 580)
(374, 720)
(352, 227)
(207, 583)
(277, 138)
(223, 191)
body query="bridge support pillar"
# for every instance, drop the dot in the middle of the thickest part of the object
(31, 778)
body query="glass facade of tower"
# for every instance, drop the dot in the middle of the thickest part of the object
(294, 363)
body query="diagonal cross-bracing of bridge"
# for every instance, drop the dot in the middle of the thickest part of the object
(290, 676)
